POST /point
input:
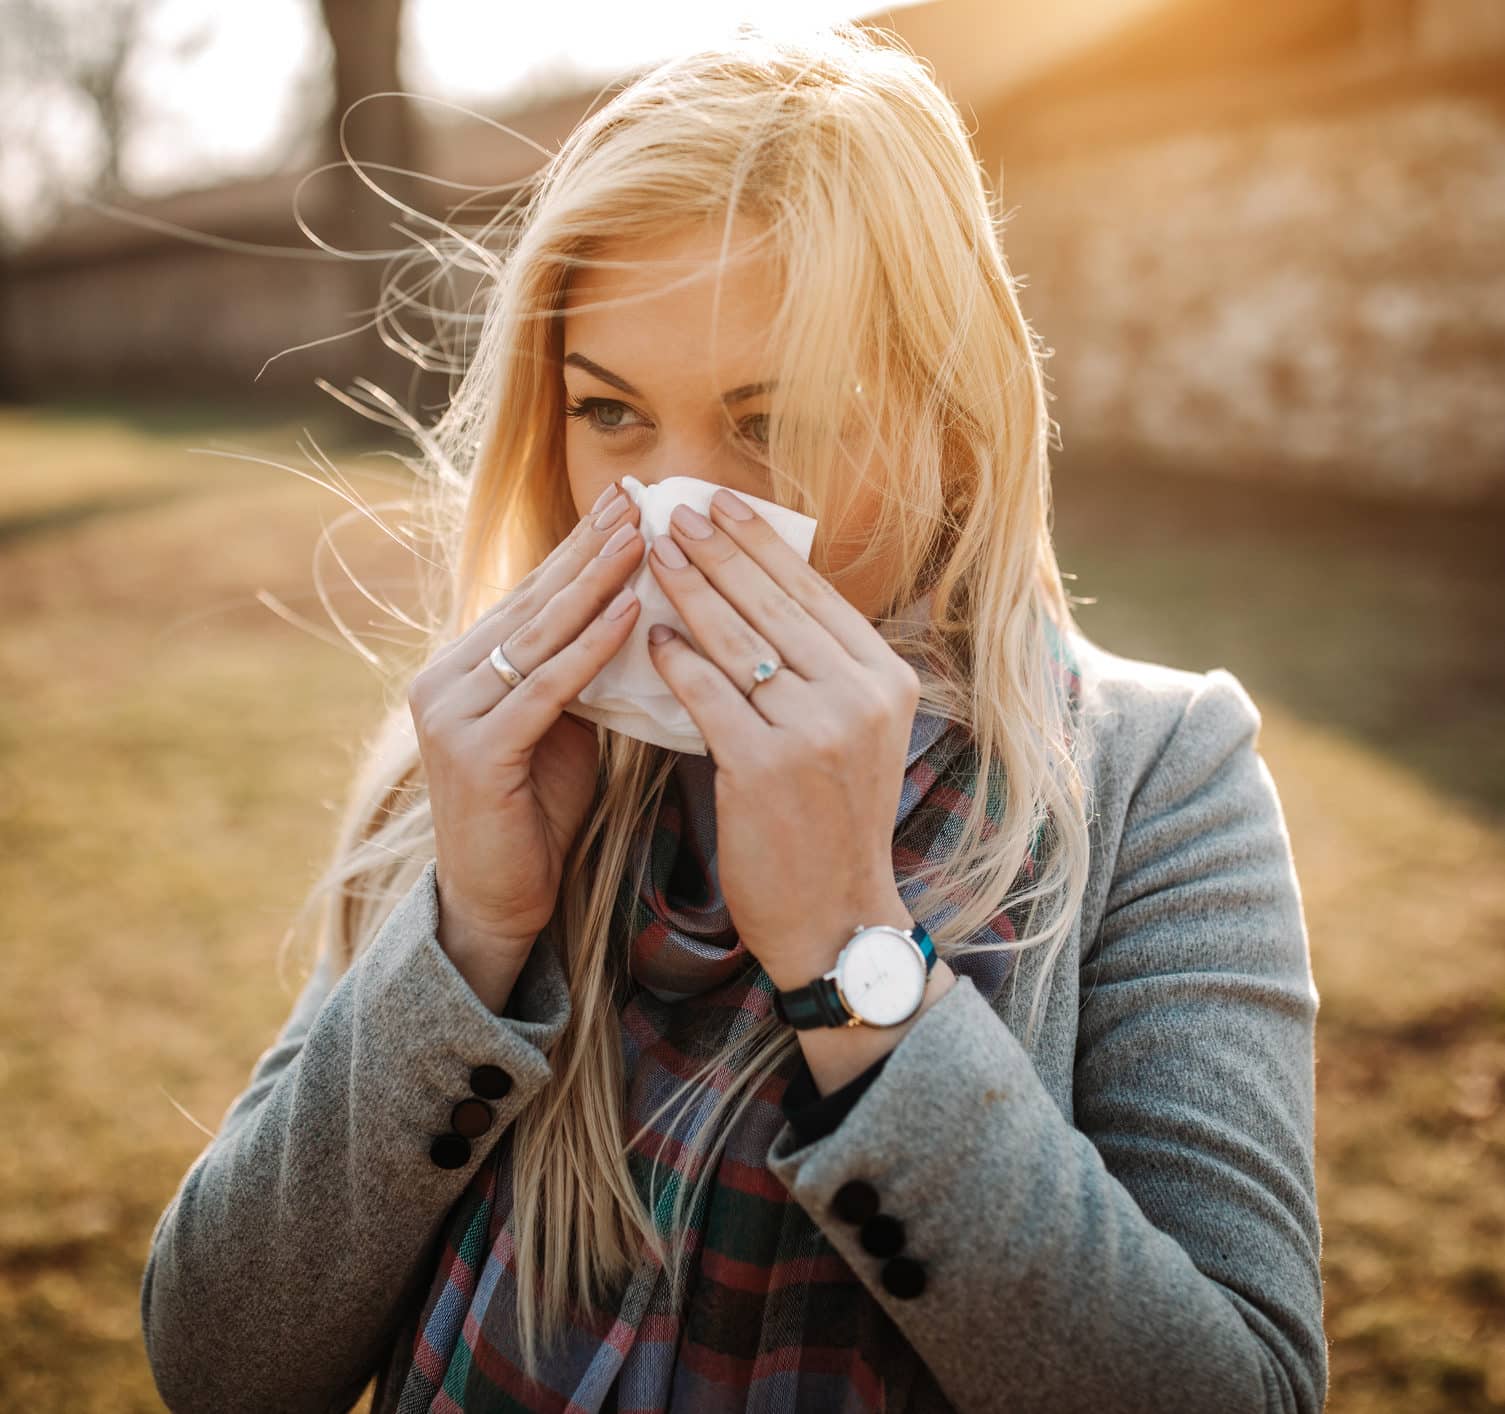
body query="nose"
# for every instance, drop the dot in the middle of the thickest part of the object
(635, 487)
(657, 498)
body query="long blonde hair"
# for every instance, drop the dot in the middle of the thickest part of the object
(899, 345)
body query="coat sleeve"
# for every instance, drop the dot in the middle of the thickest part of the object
(1161, 1250)
(278, 1272)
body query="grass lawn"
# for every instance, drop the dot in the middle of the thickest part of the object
(173, 752)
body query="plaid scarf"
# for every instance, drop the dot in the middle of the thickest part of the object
(773, 1318)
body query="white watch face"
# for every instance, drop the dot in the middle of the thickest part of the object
(882, 976)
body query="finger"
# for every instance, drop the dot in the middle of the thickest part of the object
(528, 710)
(718, 631)
(738, 612)
(559, 622)
(801, 596)
(724, 716)
(560, 567)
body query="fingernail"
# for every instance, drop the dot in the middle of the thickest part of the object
(624, 533)
(670, 553)
(691, 522)
(733, 505)
(621, 604)
(660, 633)
(604, 497)
(612, 512)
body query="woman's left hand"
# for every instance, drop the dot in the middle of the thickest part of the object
(810, 766)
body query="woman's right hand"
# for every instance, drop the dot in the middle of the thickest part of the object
(510, 775)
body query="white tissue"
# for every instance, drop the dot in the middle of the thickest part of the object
(628, 695)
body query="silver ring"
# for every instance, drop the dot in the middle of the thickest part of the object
(505, 670)
(765, 670)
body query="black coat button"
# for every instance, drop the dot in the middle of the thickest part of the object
(490, 1082)
(450, 1151)
(882, 1235)
(855, 1201)
(902, 1277)
(471, 1118)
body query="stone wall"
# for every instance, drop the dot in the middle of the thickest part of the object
(1318, 298)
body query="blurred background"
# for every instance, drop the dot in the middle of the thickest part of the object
(1266, 245)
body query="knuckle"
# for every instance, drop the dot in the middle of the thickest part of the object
(864, 708)
(818, 741)
(878, 721)
(720, 550)
(751, 645)
(873, 710)
(523, 601)
(881, 706)
(524, 635)
(534, 681)
(827, 745)
(908, 680)
(423, 693)
(780, 604)
(434, 734)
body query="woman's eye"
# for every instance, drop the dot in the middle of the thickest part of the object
(610, 414)
(605, 414)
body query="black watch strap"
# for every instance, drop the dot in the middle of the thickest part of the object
(818, 1003)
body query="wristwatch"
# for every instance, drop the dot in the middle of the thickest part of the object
(879, 980)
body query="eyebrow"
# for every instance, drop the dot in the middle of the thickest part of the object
(734, 395)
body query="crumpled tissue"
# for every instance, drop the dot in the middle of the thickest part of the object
(628, 695)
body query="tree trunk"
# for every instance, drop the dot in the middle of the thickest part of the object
(366, 36)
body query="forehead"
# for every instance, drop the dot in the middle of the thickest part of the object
(660, 305)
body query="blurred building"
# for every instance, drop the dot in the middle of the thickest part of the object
(1269, 240)
(1262, 240)
(193, 294)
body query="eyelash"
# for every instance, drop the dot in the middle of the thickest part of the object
(585, 408)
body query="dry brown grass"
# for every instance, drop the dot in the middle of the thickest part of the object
(172, 751)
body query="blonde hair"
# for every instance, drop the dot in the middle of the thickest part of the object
(900, 345)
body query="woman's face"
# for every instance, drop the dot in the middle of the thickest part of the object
(643, 394)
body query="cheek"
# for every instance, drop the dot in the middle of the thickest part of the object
(848, 541)
(851, 534)
(583, 468)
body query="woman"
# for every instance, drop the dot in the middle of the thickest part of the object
(570, 1113)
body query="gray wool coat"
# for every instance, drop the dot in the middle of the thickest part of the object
(1121, 1218)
